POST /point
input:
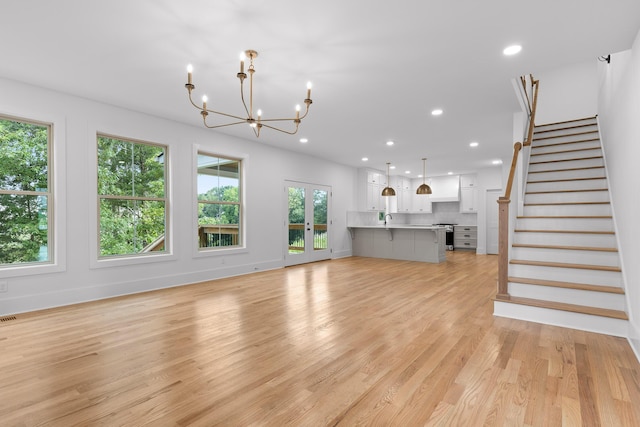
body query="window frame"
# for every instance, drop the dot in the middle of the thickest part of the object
(98, 260)
(241, 247)
(56, 214)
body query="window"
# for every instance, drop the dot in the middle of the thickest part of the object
(219, 207)
(26, 205)
(132, 197)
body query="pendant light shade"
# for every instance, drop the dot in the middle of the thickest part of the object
(424, 188)
(388, 191)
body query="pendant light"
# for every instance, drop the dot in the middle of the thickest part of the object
(388, 191)
(424, 188)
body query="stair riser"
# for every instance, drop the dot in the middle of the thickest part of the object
(546, 132)
(589, 224)
(569, 164)
(572, 146)
(610, 259)
(566, 239)
(588, 184)
(571, 174)
(567, 210)
(566, 155)
(583, 322)
(569, 296)
(587, 121)
(583, 196)
(573, 275)
(540, 140)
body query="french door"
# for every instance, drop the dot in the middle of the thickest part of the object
(307, 224)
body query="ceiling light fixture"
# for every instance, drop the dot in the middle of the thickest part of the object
(497, 162)
(512, 50)
(304, 140)
(388, 190)
(437, 112)
(255, 121)
(473, 144)
(390, 143)
(424, 188)
(365, 159)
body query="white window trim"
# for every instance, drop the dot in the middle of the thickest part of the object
(125, 133)
(57, 184)
(217, 252)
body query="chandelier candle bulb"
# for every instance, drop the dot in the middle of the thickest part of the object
(189, 74)
(297, 112)
(204, 102)
(308, 90)
(242, 57)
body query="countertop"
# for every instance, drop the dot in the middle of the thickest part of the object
(397, 226)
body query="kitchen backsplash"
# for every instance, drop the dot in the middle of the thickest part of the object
(443, 213)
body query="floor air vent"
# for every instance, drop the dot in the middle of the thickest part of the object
(8, 318)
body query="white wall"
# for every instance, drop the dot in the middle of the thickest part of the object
(265, 172)
(619, 116)
(568, 93)
(488, 179)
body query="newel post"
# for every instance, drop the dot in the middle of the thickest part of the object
(503, 248)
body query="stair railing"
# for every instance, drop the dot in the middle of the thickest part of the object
(504, 226)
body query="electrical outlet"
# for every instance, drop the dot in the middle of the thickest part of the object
(4, 286)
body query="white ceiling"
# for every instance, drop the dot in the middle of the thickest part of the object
(378, 67)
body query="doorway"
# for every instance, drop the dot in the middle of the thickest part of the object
(307, 228)
(491, 206)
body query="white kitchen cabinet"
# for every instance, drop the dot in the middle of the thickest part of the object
(370, 185)
(401, 202)
(468, 193)
(469, 200)
(468, 180)
(420, 203)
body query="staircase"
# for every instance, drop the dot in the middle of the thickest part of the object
(565, 267)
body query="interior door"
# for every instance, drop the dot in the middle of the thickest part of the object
(307, 227)
(491, 207)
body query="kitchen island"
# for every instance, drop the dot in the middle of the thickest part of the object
(409, 242)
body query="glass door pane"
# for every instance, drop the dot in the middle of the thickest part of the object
(297, 219)
(320, 205)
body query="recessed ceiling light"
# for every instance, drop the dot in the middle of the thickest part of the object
(497, 162)
(392, 167)
(365, 159)
(304, 140)
(407, 171)
(449, 173)
(390, 143)
(512, 50)
(437, 112)
(473, 144)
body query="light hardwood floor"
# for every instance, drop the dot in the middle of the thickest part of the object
(355, 341)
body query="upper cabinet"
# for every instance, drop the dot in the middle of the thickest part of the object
(445, 188)
(421, 203)
(373, 181)
(468, 193)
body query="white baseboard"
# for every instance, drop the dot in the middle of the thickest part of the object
(341, 254)
(28, 303)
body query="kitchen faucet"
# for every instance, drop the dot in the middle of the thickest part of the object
(385, 218)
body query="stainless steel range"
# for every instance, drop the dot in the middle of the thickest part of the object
(448, 229)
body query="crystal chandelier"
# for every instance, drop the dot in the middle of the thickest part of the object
(256, 121)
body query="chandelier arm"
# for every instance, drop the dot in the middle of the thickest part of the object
(215, 112)
(282, 130)
(221, 126)
(242, 98)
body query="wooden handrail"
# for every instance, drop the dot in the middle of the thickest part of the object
(503, 202)
(532, 118)
(512, 172)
